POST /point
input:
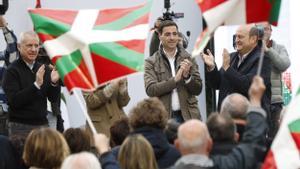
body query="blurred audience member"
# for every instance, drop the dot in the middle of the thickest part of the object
(149, 118)
(223, 133)
(45, 148)
(83, 160)
(236, 106)
(119, 131)
(171, 130)
(78, 140)
(195, 143)
(136, 153)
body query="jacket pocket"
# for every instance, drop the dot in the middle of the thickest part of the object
(193, 108)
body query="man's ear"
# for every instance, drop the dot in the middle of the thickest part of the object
(19, 46)
(236, 137)
(177, 144)
(209, 146)
(159, 36)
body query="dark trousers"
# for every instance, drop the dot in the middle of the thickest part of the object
(22, 129)
(275, 110)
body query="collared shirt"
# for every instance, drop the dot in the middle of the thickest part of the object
(175, 104)
(243, 57)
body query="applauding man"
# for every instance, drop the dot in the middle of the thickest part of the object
(27, 85)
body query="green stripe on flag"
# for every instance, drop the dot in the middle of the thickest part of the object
(126, 20)
(298, 91)
(295, 126)
(275, 10)
(67, 63)
(119, 54)
(49, 26)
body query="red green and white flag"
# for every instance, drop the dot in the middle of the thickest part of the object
(92, 47)
(285, 149)
(234, 12)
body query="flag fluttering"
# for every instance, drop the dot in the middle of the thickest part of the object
(92, 47)
(234, 12)
(285, 149)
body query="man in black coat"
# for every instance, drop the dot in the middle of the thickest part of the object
(240, 67)
(27, 85)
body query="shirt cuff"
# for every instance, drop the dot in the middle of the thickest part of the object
(188, 80)
(37, 86)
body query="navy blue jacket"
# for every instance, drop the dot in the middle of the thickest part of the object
(238, 79)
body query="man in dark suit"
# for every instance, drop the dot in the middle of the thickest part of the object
(239, 67)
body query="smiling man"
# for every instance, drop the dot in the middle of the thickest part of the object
(172, 76)
(240, 67)
(27, 85)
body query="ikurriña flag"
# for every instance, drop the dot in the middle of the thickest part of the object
(234, 12)
(285, 149)
(92, 47)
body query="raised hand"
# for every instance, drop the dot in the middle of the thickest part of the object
(101, 143)
(39, 76)
(54, 76)
(208, 59)
(256, 91)
(226, 59)
(123, 85)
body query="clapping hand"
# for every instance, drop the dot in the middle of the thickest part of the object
(208, 59)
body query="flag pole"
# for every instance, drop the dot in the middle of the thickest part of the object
(260, 62)
(83, 108)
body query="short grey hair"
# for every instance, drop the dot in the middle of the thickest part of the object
(23, 35)
(83, 160)
(197, 141)
(235, 105)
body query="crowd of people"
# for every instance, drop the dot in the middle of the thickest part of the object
(163, 131)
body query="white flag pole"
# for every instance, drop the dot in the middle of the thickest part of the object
(84, 110)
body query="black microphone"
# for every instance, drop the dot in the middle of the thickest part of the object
(188, 34)
(3, 6)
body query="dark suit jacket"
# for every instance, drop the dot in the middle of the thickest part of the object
(238, 79)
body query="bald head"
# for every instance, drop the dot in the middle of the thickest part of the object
(235, 105)
(84, 160)
(193, 137)
(246, 39)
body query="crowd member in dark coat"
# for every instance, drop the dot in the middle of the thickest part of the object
(223, 133)
(236, 106)
(194, 141)
(106, 158)
(7, 158)
(27, 85)
(240, 67)
(149, 118)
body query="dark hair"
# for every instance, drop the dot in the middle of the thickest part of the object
(149, 112)
(119, 131)
(171, 130)
(221, 127)
(166, 23)
(78, 140)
